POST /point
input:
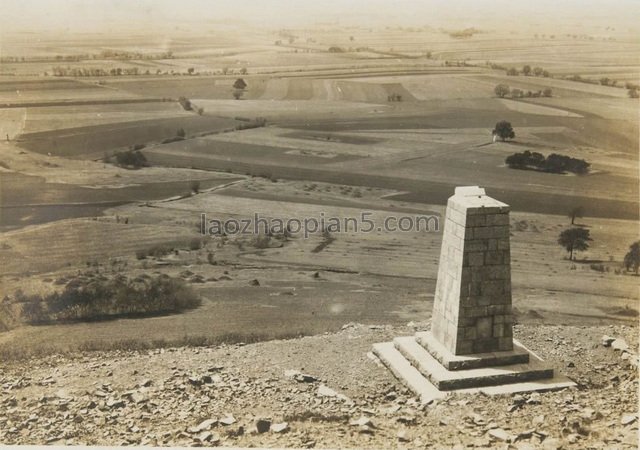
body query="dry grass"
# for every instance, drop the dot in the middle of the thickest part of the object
(20, 352)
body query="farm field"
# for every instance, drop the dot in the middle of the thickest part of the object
(93, 142)
(406, 159)
(30, 200)
(62, 117)
(58, 90)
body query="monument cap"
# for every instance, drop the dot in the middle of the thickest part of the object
(474, 200)
(469, 191)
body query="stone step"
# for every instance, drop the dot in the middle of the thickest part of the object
(446, 380)
(519, 355)
(422, 387)
(406, 373)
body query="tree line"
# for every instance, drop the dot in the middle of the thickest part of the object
(503, 90)
(120, 55)
(77, 72)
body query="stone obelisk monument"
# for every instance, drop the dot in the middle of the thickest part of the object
(472, 305)
(470, 344)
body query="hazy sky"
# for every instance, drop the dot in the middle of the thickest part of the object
(83, 15)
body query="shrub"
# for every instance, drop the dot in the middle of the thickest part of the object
(195, 244)
(211, 258)
(131, 159)
(262, 241)
(185, 103)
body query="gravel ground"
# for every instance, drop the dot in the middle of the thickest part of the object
(323, 391)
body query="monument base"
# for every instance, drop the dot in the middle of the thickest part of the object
(416, 361)
(519, 355)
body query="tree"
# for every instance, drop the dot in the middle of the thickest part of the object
(537, 71)
(547, 92)
(504, 130)
(576, 213)
(632, 258)
(512, 72)
(526, 70)
(501, 90)
(633, 93)
(574, 240)
(240, 84)
(181, 133)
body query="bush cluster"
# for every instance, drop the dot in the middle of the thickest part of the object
(101, 298)
(554, 163)
(131, 159)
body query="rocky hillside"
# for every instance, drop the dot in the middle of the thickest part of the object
(322, 391)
